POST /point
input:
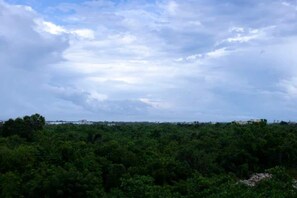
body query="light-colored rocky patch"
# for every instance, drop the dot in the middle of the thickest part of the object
(256, 178)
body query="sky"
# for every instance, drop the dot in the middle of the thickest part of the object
(149, 60)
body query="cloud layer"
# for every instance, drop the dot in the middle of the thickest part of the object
(149, 60)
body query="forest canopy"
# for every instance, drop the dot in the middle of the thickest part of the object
(145, 159)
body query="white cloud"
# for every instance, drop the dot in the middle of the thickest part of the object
(236, 29)
(50, 27)
(292, 5)
(289, 86)
(172, 7)
(83, 33)
(217, 53)
(285, 3)
(157, 104)
(246, 36)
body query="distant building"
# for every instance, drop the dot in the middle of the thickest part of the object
(69, 122)
(240, 122)
(82, 122)
(111, 124)
(55, 122)
(255, 121)
(252, 121)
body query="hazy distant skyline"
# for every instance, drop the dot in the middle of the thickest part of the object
(141, 60)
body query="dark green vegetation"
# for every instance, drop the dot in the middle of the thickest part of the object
(145, 160)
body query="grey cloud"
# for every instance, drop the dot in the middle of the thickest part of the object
(25, 55)
(24, 47)
(102, 107)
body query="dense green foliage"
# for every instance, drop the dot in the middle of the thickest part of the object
(24, 127)
(145, 159)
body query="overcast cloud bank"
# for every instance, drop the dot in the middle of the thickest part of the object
(149, 60)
